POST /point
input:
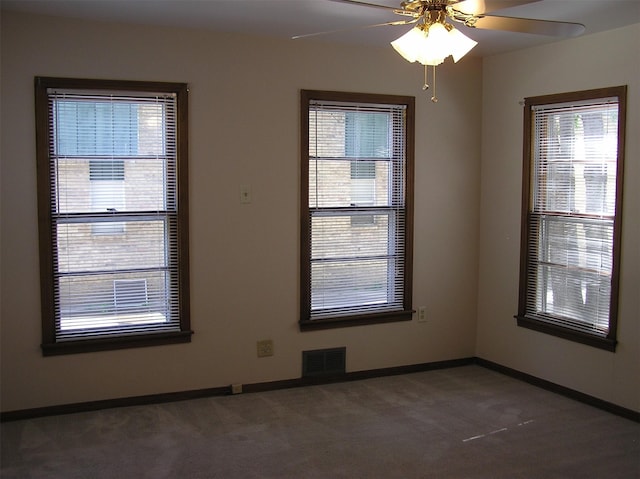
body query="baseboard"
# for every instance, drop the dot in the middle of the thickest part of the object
(309, 381)
(562, 390)
(111, 403)
(223, 391)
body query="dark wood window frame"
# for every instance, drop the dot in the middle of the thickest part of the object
(404, 312)
(113, 338)
(546, 323)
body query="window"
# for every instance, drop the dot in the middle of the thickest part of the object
(572, 197)
(112, 205)
(357, 208)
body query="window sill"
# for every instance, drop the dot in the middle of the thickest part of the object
(542, 326)
(359, 320)
(113, 343)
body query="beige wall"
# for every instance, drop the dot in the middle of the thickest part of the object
(244, 258)
(593, 61)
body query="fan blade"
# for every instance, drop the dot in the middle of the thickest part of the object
(398, 22)
(527, 25)
(365, 4)
(478, 7)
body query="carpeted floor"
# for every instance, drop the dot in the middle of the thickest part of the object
(465, 422)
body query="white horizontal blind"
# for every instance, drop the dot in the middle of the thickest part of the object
(357, 207)
(113, 177)
(573, 211)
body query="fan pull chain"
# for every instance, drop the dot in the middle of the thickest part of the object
(434, 99)
(426, 85)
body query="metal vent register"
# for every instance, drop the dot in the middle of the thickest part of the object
(324, 362)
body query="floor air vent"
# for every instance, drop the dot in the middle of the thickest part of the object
(323, 362)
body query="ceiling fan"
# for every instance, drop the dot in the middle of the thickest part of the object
(434, 37)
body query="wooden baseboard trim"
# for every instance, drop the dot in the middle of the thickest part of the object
(223, 391)
(111, 403)
(354, 375)
(562, 390)
(310, 381)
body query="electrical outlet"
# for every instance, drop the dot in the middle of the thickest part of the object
(265, 348)
(422, 314)
(236, 389)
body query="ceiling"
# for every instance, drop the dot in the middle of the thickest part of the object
(286, 18)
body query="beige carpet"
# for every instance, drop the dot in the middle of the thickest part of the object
(465, 422)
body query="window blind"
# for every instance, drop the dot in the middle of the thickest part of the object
(572, 213)
(357, 209)
(113, 190)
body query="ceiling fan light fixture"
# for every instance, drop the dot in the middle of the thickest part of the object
(430, 44)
